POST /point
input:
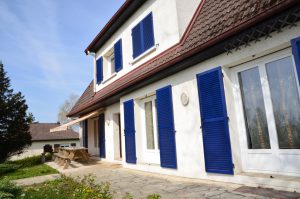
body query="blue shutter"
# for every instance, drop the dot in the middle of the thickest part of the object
(143, 36)
(148, 33)
(296, 52)
(118, 56)
(137, 40)
(99, 70)
(85, 133)
(166, 132)
(101, 135)
(214, 122)
(129, 132)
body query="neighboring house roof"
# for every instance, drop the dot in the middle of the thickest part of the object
(213, 22)
(41, 132)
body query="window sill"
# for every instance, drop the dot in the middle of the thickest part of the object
(109, 78)
(144, 54)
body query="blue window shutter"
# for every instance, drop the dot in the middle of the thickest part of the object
(129, 132)
(148, 33)
(136, 40)
(166, 132)
(118, 56)
(85, 133)
(214, 122)
(101, 135)
(296, 52)
(99, 70)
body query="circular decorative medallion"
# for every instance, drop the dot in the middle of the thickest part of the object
(184, 99)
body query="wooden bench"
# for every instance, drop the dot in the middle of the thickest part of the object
(62, 160)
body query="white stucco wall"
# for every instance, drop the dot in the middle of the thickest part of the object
(170, 19)
(185, 11)
(38, 147)
(190, 155)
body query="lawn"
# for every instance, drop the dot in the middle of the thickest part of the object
(27, 172)
(25, 168)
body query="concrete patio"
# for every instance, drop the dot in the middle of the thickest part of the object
(140, 184)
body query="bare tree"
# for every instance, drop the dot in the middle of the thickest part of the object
(65, 108)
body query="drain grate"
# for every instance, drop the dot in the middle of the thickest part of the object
(268, 192)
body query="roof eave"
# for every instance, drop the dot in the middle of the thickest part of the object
(122, 15)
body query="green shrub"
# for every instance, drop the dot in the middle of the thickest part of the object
(6, 195)
(153, 196)
(27, 162)
(48, 156)
(8, 189)
(69, 188)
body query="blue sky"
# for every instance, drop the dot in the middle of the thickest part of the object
(42, 44)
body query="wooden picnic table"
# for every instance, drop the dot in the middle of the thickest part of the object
(67, 154)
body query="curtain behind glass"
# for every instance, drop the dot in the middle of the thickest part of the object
(254, 109)
(285, 100)
(149, 125)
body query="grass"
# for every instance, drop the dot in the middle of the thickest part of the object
(68, 188)
(27, 172)
(25, 168)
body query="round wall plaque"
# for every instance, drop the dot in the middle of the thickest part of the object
(184, 99)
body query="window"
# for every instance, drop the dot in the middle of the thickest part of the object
(73, 144)
(271, 104)
(151, 124)
(254, 108)
(143, 36)
(112, 63)
(285, 100)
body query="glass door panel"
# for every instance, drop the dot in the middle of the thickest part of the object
(149, 125)
(285, 101)
(254, 109)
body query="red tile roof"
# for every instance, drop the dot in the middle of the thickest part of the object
(214, 21)
(41, 132)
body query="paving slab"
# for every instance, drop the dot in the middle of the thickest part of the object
(36, 180)
(141, 184)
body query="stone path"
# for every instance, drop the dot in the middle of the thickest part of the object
(141, 184)
(36, 180)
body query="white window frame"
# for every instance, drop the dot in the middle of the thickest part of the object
(154, 119)
(261, 64)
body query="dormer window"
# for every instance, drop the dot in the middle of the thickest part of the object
(143, 36)
(110, 63)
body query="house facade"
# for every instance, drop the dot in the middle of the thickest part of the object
(41, 136)
(199, 88)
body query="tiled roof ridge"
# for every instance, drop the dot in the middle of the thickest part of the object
(41, 131)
